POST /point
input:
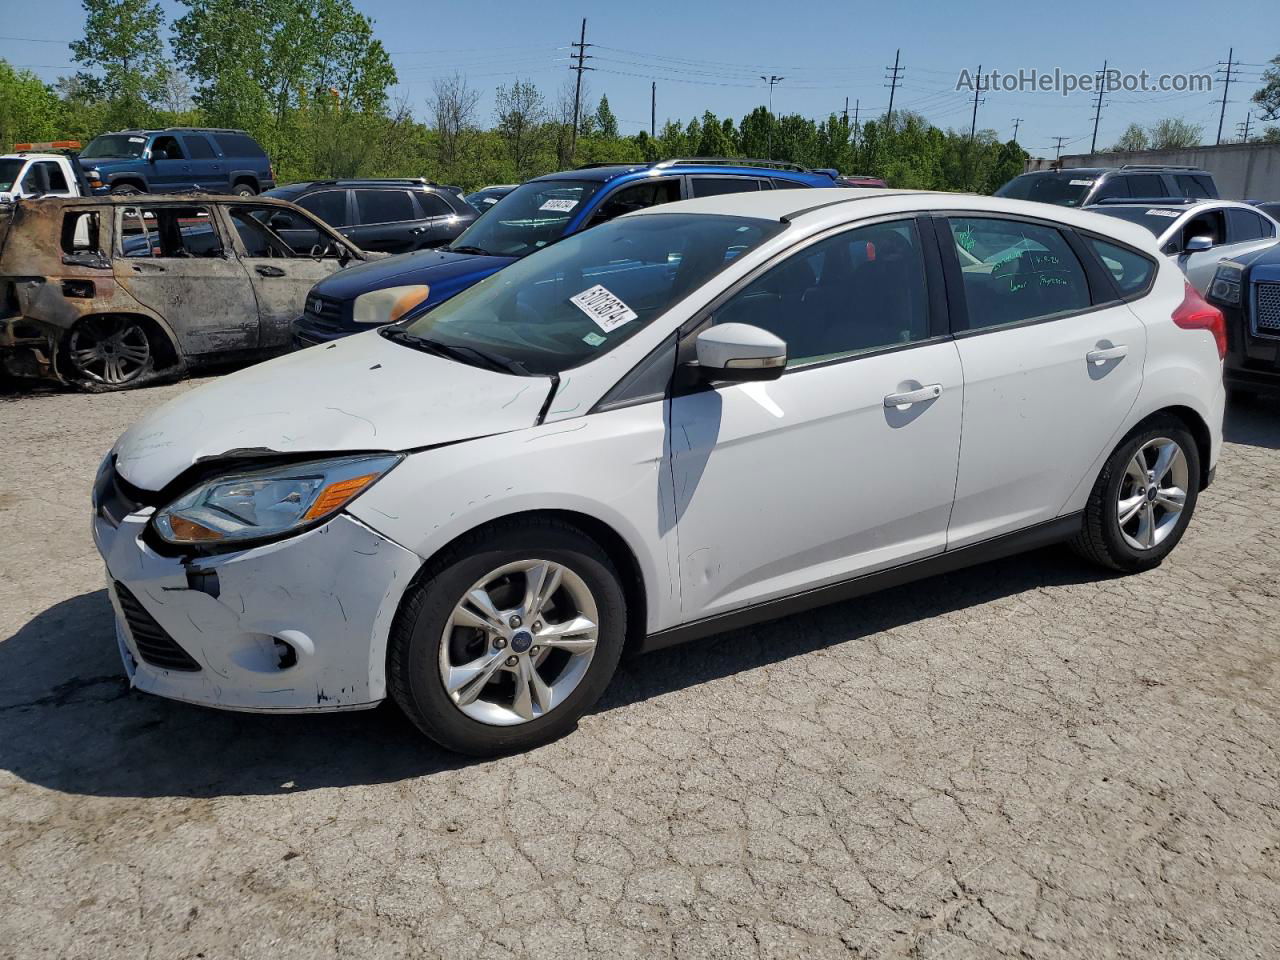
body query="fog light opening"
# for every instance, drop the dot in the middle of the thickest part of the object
(286, 654)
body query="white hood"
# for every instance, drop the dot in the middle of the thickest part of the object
(361, 393)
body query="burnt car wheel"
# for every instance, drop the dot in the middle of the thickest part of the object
(110, 352)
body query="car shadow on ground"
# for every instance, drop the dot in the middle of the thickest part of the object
(69, 722)
(1254, 421)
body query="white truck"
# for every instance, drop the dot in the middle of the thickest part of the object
(28, 175)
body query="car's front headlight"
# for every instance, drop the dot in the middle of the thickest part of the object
(1226, 287)
(252, 505)
(389, 304)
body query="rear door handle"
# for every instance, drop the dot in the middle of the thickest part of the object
(265, 271)
(1103, 354)
(930, 392)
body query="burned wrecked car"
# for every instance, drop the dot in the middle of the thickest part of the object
(111, 292)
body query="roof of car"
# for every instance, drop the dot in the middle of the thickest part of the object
(157, 199)
(606, 172)
(832, 206)
(1172, 204)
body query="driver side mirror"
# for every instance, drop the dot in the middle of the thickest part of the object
(1198, 243)
(739, 352)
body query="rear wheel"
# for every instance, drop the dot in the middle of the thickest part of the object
(509, 639)
(124, 190)
(243, 189)
(110, 353)
(1143, 499)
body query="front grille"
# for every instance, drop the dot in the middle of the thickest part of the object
(154, 644)
(325, 310)
(1266, 310)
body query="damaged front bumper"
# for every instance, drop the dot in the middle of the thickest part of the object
(28, 348)
(296, 626)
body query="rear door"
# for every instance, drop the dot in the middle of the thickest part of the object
(332, 206)
(1052, 364)
(280, 276)
(208, 172)
(169, 169)
(175, 260)
(439, 223)
(386, 220)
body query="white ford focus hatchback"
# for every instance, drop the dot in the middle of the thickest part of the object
(708, 414)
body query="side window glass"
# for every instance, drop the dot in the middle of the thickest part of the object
(780, 184)
(637, 197)
(329, 205)
(257, 228)
(384, 206)
(433, 206)
(177, 233)
(1112, 187)
(1014, 271)
(1244, 225)
(197, 147)
(857, 291)
(1146, 185)
(715, 186)
(1131, 271)
(166, 148)
(1191, 186)
(80, 233)
(1210, 224)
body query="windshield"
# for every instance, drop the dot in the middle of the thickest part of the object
(1153, 218)
(10, 167)
(579, 299)
(527, 219)
(114, 145)
(1066, 190)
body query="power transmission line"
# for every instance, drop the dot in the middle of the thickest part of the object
(1058, 148)
(1017, 122)
(1244, 133)
(977, 88)
(1097, 107)
(1226, 87)
(579, 58)
(771, 79)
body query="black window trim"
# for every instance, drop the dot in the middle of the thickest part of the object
(1093, 260)
(958, 307)
(413, 206)
(349, 203)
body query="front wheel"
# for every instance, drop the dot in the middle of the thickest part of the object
(1143, 499)
(110, 353)
(244, 190)
(508, 639)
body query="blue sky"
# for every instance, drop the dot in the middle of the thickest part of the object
(710, 55)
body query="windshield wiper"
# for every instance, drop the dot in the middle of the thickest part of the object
(478, 251)
(471, 356)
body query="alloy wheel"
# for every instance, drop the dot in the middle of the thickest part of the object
(1153, 492)
(110, 350)
(519, 642)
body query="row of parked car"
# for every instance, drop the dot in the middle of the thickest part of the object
(311, 266)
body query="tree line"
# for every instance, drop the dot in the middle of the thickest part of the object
(308, 79)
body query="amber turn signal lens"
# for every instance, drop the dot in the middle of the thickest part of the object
(190, 531)
(335, 495)
(407, 301)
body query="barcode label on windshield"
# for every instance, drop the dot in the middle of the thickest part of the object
(564, 206)
(603, 307)
(1171, 214)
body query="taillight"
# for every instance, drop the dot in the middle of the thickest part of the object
(1194, 313)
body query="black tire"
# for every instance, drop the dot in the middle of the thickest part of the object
(1101, 539)
(124, 190)
(104, 375)
(243, 189)
(413, 672)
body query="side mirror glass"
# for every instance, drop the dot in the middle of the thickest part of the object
(280, 221)
(739, 351)
(1199, 243)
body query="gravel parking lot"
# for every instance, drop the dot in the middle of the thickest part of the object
(1024, 759)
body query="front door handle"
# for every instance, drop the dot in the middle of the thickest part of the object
(1103, 354)
(266, 271)
(144, 267)
(930, 392)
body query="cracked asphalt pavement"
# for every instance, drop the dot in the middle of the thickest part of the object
(1023, 759)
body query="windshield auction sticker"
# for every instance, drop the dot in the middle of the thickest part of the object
(563, 206)
(603, 307)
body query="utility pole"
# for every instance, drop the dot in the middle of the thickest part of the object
(653, 109)
(1017, 122)
(1226, 87)
(1097, 107)
(1058, 153)
(579, 58)
(856, 104)
(771, 80)
(894, 72)
(973, 124)
(1243, 128)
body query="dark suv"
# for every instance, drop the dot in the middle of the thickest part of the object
(533, 215)
(1080, 186)
(392, 216)
(215, 160)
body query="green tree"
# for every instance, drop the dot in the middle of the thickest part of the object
(1268, 95)
(29, 109)
(521, 113)
(123, 58)
(606, 125)
(1174, 133)
(1134, 138)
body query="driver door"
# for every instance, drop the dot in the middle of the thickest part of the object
(280, 275)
